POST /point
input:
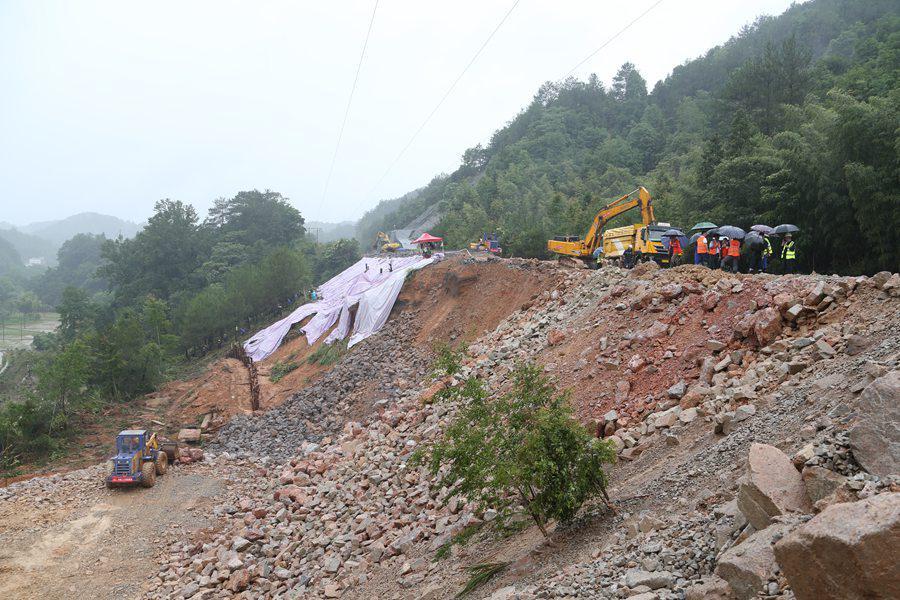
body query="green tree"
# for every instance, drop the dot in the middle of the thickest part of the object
(523, 448)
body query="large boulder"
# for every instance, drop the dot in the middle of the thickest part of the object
(875, 439)
(771, 487)
(766, 326)
(748, 566)
(847, 551)
(711, 588)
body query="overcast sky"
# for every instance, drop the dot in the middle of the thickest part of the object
(108, 106)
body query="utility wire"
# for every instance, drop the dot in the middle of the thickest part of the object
(445, 96)
(615, 35)
(337, 146)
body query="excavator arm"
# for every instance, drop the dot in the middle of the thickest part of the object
(594, 238)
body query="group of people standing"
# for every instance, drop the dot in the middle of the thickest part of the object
(716, 252)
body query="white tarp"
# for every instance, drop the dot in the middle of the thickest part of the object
(373, 283)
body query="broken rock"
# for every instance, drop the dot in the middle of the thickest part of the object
(772, 487)
(748, 566)
(848, 551)
(875, 439)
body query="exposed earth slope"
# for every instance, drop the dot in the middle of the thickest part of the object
(747, 411)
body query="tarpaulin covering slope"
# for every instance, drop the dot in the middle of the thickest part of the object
(375, 290)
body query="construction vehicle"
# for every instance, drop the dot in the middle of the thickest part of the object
(489, 242)
(629, 245)
(140, 457)
(383, 243)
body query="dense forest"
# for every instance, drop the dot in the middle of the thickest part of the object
(794, 120)
(133, 309)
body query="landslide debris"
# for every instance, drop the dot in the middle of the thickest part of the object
(711, 385)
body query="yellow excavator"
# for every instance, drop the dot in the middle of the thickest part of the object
(628, 245)
(383, 243)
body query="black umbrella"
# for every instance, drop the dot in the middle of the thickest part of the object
(674, 232)
(730, 231)
(695, 236)
(667, 241)
(763, 229)
(786, 228)
(754, 239)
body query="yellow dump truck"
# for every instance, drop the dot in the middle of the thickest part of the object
(629, 244)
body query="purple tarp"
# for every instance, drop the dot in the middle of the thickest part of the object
(375, 290)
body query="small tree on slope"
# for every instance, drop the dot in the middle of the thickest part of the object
(522, 448)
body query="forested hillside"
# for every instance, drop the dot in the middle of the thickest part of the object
(133, 309)
(793, 120)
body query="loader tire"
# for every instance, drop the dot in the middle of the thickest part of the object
(148, 474)
(162, 463)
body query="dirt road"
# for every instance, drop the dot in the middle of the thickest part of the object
(83, 540)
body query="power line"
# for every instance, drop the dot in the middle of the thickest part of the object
(445, 96)
(337, 146)
(615, 35)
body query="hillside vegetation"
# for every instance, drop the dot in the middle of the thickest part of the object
(132, 310)
(793, 120)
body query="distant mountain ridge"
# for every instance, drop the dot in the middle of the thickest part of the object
(58, 231)
(42, 239)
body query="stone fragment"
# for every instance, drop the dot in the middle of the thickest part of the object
(820, 482)
(189, 435)
(875, 439)
(748, 566)
(856, 344)
(744, 412)
(715, 345)
(677, 390)
(848, 551)
(555, 337)
(654, 580)
(712, 587)
(766, 326)
(239, 580)
(772, 487)
(711, 300)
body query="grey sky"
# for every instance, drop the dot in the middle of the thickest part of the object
(108, 106)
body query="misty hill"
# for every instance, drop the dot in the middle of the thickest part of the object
(10, 267)
(61, 230)
(30, 246)
(329, 232)
(792, 120)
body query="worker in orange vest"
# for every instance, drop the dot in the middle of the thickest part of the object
(734, 255)
(701, 255)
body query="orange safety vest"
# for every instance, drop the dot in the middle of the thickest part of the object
(714, 247)
(734, 248)
(701, 245)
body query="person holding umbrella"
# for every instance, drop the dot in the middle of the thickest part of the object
(788, 254)
(767, 253)
(715, 248)
(788, 250)
(675, 251)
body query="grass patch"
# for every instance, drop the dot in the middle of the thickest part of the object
(327, 354)
(480, 574)
(460, 539)
(280, 369)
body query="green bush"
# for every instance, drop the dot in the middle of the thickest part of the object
(522, 448)
(280, 369)
(327, 354)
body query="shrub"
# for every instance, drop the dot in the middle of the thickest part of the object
(522, 448)
(280, 369)
(327, 354)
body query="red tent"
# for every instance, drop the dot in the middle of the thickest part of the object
(427, 237)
